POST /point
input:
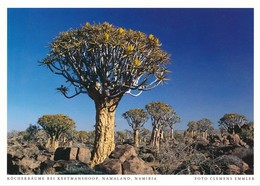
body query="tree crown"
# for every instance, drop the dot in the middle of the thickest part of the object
(162, 113)
(136, 117)
(107, 61)
(56, 124)
(232, 121)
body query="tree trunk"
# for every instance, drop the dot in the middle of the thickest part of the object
(52, 144)
(136, 138)
(172, 133)
(155, 138)
(104, 131)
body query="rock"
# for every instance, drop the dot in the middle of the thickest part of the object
(150, 158)
(136, 165)
(69, 153)
(110, 166)
(195, 167)
(12, 168)
(147, 157)
(247, 155)
(62, 154)
(84, 155)
(245, 167)
(47, 167)
(232, 164)
(72, 153)
(124, 160)
(30, 150)
(30, 163)
(16, 152)
(233, 169)
(42, 158)
(123, 152)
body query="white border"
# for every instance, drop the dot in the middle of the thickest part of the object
(161, 179)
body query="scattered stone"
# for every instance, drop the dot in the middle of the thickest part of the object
(30, 163)
(124, 160)
(110, 166)
(123, 152)
(73, 153)
(136, 165)
(84, 155)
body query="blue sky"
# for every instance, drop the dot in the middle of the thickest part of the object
(211, 63)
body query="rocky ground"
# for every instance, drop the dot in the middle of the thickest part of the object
(190, 156)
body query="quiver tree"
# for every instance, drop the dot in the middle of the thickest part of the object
(204, 126)
(106, 62)
(120, 136)
(192, 128)
(232, 122)
(136, 119)
(172, 121)
(55, 125)
(82, 136)
(160, 113)
(31, 132)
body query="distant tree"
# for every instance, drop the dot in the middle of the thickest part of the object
(145, 133)
(31, 132)
(172, 121)
(128, 133)
(247, 133)
(120, 135)
(204, 126)
(82, 135)
(160, 113)
(232, 122)
(106, 62)
(192, 127)
(136, 119)
(91, 137)
(55, 125)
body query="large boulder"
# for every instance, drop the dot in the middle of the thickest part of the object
(123, 152)
(124, 160)
(12, 168)
(136, 165)
(110, 166)
(68, 153)
(73, 153)
(47, 167)
(84, 155)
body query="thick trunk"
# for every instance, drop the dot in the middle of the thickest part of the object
(155, 138)
(104, 132)
(136, 138)
(52, 144)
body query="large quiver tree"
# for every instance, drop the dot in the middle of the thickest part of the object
(106, 62)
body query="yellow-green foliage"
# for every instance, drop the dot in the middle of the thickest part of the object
(108, 59)
(55, 125)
